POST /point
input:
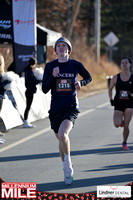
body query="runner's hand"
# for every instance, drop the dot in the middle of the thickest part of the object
(77, 85)
(55, 71)
(112, 102)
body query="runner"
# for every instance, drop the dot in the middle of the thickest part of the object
(123, 100)
(60, 76)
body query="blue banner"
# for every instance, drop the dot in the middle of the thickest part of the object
(24, 29)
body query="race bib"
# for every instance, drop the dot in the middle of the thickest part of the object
(123, 94)
(63, 85)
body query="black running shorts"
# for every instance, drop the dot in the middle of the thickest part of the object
(56, 118)
(123, 106)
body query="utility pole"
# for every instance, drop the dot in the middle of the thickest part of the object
(97, 28)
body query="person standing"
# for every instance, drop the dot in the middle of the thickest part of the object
(60, 76)
(123, 99)
(30, 83)
(3, 83)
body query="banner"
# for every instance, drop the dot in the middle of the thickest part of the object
(24, 29)
(5, 22)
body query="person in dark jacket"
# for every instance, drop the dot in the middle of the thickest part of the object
(123, 99)
(60, 76)
(30, 84)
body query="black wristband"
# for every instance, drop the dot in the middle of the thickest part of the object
(83, 83)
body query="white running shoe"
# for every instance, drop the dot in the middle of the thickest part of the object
(2, 141)
(27, 124)
(68, 173)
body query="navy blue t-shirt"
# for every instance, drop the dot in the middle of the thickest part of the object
(63, 93)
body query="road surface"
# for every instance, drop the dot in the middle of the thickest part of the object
(31, 155)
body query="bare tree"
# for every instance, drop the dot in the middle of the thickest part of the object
(73, 18)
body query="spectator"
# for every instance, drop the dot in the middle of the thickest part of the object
(14, 79)
(30, 82)
(3, 83)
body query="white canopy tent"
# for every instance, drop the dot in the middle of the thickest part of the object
(52, 36)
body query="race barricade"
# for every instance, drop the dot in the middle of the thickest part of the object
(12, 115)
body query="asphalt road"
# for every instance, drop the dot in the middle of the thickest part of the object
(31, 155)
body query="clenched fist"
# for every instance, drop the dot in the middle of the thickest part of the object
(55, 71)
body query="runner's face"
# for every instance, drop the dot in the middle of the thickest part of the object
(125, 64)
(62, 49)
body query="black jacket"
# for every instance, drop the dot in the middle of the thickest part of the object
(30, 80)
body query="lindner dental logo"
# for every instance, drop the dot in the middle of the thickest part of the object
(114, 191)
(18, 190)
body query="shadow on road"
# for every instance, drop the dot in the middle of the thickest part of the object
(108, 180)
(101, 151)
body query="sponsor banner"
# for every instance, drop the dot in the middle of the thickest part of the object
(24, 27)
(22, 55)
(113, 191)
(28, 190)
(24, 18)
(5, 22)
(18, 190)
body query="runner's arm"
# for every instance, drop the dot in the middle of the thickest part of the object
(111, 86)
(48, 80)
(85, 75)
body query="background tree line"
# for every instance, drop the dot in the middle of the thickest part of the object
(116, 16)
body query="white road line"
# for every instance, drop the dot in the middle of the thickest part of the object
(102, 105)
(91, 110)
(25, 139)
(45, 130)
(86, 112)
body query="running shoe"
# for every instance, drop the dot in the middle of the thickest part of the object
(27, 124)
(124, 145)
(68, 173)
(2, 140)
